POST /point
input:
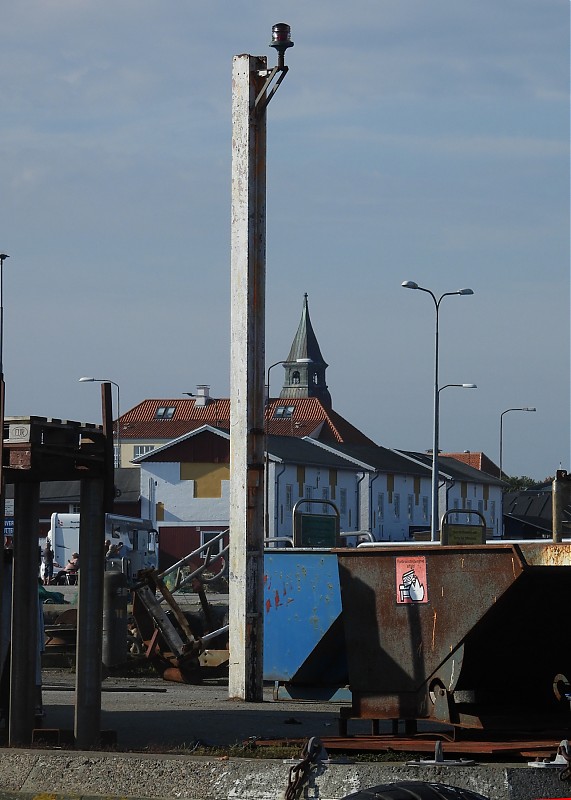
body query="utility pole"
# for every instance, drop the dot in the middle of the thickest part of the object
(253, 86)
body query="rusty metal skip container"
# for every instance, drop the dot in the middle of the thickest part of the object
(473, 636)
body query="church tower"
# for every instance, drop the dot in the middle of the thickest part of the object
(305, 367)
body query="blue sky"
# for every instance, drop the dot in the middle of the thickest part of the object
(410, 140)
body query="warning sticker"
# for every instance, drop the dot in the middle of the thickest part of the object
(411, 585)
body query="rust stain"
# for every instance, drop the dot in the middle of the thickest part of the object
(434, 629)
(277, 599)
(268, 606)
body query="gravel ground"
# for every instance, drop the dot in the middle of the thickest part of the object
(147, 712)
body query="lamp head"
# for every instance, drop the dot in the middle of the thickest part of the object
(4, 256)
(86, 380)
(281, 36)
(529, 409)
(409, 285)
(465, 291)
(469, 386)
(281, 40)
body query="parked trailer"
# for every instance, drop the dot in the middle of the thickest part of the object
(139, 537)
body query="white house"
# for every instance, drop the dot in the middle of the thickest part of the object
(185, 489)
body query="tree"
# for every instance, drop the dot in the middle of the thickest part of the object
(519, 483)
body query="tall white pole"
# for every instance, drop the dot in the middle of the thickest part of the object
(247, 351)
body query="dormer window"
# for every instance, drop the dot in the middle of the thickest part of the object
(165, 412)
(284, 412)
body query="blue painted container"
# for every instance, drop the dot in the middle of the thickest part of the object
(304, 642)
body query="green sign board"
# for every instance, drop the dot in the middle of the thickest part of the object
(463, 534)
(317, 530)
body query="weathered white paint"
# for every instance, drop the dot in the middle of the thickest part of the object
(247, 381)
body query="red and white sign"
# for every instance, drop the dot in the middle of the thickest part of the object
(411, 583)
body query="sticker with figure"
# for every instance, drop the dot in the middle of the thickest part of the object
(411, 583)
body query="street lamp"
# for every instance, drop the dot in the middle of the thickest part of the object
(502, 429)
(118, 436)
(3, 257)
(434, 523)
(267, 457)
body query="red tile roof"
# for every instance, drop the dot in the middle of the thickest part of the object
(309, 418)
(477, 461)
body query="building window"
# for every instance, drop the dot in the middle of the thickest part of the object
(425, 509)
(410, 507)
(289, 497)
(295, 377)
(481, 506)
(165, 412)
(493, 511)
(325, 496)
(456, 516)
(284, 412)
(343, 501)
(381, 505)
(142, 449)
(396, 505)
(308, 492)
(207, 536)
(74, 508)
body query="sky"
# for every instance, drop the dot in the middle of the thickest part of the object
(410, 140)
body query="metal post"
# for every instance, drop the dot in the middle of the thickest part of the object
(267, 455)
(24, 669)
(3, 257)
(89, 645)
(107, 412)
(435, 522)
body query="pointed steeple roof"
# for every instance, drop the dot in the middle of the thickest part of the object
(305, 366)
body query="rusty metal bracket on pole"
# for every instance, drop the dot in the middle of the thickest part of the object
(281, 41)
(263, 99)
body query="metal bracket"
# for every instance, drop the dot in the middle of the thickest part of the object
(263, 99)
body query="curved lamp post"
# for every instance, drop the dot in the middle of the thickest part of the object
(459, 385)
(3, 257)
(502, 430)
(116, 385)
(267, 457)
(434, 522)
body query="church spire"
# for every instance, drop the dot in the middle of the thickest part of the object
(305, 366)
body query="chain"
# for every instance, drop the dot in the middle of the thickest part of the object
(299, 773)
